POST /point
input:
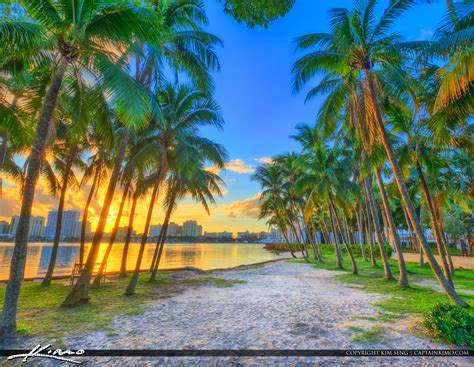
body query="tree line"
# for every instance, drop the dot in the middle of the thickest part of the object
(392, 139)
(111, 95)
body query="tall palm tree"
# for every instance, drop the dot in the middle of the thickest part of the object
(360, 46)
(70, 34)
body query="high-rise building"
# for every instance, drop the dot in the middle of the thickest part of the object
(190, 228)
(36, 226)
(154, 231)
(199, 231)
(69, 225)
(14, 225)
(174, 230)
(3, 227)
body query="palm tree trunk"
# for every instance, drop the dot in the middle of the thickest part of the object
(429, 202)
(133, 281)
(403, 279)
(80, 291)
(378, 235)
(437, 206)
(113, 235)
(3, 155)
(85, 215)
(17, 264)
(162, 239)
(336, 244)
(344, 239)
(123, 264)
(449, 289)
(59, 220)
(359, 220)
(368, 231)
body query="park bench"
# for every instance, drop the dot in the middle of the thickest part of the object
(79, 267)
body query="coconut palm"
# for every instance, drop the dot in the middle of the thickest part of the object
(362, 47)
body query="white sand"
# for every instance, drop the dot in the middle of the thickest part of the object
(283, 306)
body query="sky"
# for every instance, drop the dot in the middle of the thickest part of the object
(253, 88)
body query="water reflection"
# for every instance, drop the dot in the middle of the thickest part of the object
(201, 255)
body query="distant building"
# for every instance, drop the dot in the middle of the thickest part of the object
(69, 225)
(247, 236)
(174, 230)
(122, 233)
(155, 231)
(14, 225)
(4, 227)
(36, 227)
(191, 229)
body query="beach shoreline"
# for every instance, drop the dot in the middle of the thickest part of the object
(279, 305)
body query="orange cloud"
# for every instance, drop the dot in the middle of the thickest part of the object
(264, 160)
(245, 208)
(235, 165)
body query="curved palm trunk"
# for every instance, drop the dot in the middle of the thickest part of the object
(360, 238)
(123, 264)
(449, 289)
(368, 230)
(3, 155)
(403, 279)
(344, 239)
(336, 243)
(283, 233)
(59, 221)
(437, 206)
(378, 234)
(84, 217)
(17, 264)
(80, 291)
(162, 239)
(113, 235)
(434, 225)
(133, 281)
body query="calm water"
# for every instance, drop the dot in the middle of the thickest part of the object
(202, 255)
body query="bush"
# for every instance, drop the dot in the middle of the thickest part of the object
(356, 250)
(451, 323)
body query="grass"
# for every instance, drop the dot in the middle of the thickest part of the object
(368, 336)
(401, 301)
(219, 282)
(40, 313)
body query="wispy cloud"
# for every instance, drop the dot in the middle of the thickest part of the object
(234, 165)
(264, 160)
(244, 208)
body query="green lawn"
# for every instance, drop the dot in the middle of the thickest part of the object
(40, 312)
(414, 300)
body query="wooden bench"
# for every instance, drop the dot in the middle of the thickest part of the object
(79, 267)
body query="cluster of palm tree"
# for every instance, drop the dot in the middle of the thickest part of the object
(393, 135)
(106, 94)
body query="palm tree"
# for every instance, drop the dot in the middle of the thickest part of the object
(362, 47)
(187, 48)
(73, 34)
(184, 111)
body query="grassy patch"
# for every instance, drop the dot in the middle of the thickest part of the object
(219, 282)
(355, 328)
(369, 336)
(401, 301)
(40, 313)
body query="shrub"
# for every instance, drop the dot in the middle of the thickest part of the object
(449, 322)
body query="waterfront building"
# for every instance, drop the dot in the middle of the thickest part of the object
(14, 225)
(36, 227)
(191, 229)
(174, 230)
(154, 231)
(69, 227)
(4, 227)
(247, 236)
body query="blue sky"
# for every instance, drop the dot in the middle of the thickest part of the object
(254, 90)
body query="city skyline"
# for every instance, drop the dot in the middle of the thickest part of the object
(71, 225)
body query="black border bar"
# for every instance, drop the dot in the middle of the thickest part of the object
(261, 353)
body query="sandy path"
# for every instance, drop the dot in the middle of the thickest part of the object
(282, 306)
